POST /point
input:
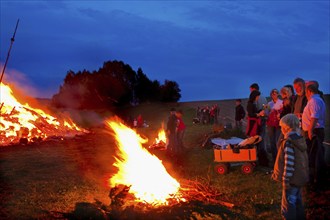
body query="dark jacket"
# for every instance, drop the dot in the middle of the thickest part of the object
(301, 169)
(287, 107)
(171, 124)
(304, 103)
(252, 109)
(239, 113)
(253, 124)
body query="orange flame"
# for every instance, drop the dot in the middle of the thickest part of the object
(144, 172)
(22, 121)
(161, 135)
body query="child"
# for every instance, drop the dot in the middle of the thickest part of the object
(291, 168)
(239, 114)
(180, 130)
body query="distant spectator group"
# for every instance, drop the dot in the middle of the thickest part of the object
(207, 114)
(137, 122)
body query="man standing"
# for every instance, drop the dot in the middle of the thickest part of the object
(171, 132)
(261, 102)
(299, 100)
(313, 123)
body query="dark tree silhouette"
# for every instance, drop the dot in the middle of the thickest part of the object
(170, 91)
(114, 84)
(155, 91)
(143, 87)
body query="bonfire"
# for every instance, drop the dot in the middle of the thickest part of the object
(160, 142)
(21, 123)
(143, 188)
(143, 172)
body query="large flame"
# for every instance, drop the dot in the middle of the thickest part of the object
(144, 172)
(22, 121)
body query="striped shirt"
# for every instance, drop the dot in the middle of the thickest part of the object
(289, 160)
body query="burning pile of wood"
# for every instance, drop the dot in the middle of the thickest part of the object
(160, 141)
(190, 191)
(203, 192)
(21, 123)
(200, 199)
(161, 145)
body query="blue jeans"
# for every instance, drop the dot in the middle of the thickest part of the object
(262, 154)
(292, 206)
(273, 133)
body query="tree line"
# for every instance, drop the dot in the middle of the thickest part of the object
(114, 84)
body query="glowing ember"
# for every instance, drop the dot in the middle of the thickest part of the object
(22, 121)
(141, 170)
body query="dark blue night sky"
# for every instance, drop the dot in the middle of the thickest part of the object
(212, 49)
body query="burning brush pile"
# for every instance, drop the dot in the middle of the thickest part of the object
(21, 123)
(160, 141)
(143, 189)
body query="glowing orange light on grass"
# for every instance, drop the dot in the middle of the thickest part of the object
(144, 172)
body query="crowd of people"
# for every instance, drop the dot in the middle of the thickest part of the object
(207, 114)
(137, 122)
(295, 122)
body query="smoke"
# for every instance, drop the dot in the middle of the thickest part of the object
(20, 85)
(84, 118)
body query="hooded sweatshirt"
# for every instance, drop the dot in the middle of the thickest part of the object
(291, 165)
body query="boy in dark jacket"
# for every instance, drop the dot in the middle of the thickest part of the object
(239, 114)
(291, 168)
(171, 133)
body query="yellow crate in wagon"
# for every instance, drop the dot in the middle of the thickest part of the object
(245, 152)
(228, 155)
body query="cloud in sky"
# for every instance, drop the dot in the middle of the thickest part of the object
(214, 50)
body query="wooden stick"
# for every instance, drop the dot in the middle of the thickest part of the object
(195, 190)
(1, 106)
(12, 110)
(11, 44)
(227, 204)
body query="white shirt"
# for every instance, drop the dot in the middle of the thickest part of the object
(276, 105)
(315, 108)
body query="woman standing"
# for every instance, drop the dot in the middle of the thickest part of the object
(253, 114)
(287, 108)
(254, 124)
(287, 101)
(273, 122)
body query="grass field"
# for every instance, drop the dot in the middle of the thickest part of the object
(41, 179)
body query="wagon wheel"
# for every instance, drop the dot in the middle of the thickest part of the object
(221, 168)
(247, 168)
